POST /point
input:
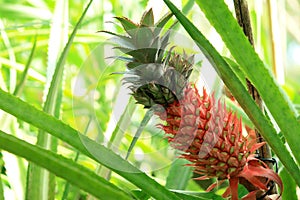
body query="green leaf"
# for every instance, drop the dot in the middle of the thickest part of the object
(20, 67)
(274, 97)
(242, 191)
(83, 144)
(62, 167)
(240, 93)
(140, 194)
(121, 40)
(239, 111)
(118, 134)
(187, 195)
(2, 171)
(128, 25)
(137, 54)
(188, 6)
(23, 78)
(148, 18)
(139, 131)
(143, 37)
(12, 58)
(162, 22)
(179, 175)
(184, 195)
(237, 70)
(67, 184)
(290, 186)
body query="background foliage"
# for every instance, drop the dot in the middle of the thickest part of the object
(84, 94)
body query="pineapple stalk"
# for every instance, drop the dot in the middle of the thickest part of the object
(207, 134)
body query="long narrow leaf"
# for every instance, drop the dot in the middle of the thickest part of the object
(67, 184)
(1, 183)
(197, 195)
(238, 90)
(139, 131)
(62, 167)
(24, 76)
(179, 175)
(41, 184)
(14, 165)
(12, 58)
(288, 182)
(274, 97)
(184, 195)
(99, 153)
(20, 67)
(118, 133)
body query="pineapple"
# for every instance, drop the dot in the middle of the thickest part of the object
(211, 138)
(207, 134)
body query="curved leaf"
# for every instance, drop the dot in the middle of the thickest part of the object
(139, 131)
(288, 182)
(62, 167)
(179, 175)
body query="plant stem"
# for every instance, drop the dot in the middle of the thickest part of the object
(242, 15)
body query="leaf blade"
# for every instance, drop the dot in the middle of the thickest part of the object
(62, 167)
(139, 131)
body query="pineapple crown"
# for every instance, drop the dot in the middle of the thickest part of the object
(154, 76)
(143, 41)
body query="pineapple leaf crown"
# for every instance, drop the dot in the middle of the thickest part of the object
(154, 75)
(143, 41)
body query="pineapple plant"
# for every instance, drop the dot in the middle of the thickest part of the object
(207, 134)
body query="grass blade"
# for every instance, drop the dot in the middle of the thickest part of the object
(118, 133)
(20, 67)
(139, 131)
(12, 58)
(24, 76)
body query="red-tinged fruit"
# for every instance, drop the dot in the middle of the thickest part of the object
(211, 138)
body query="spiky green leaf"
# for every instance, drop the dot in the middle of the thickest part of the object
(148, 18)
